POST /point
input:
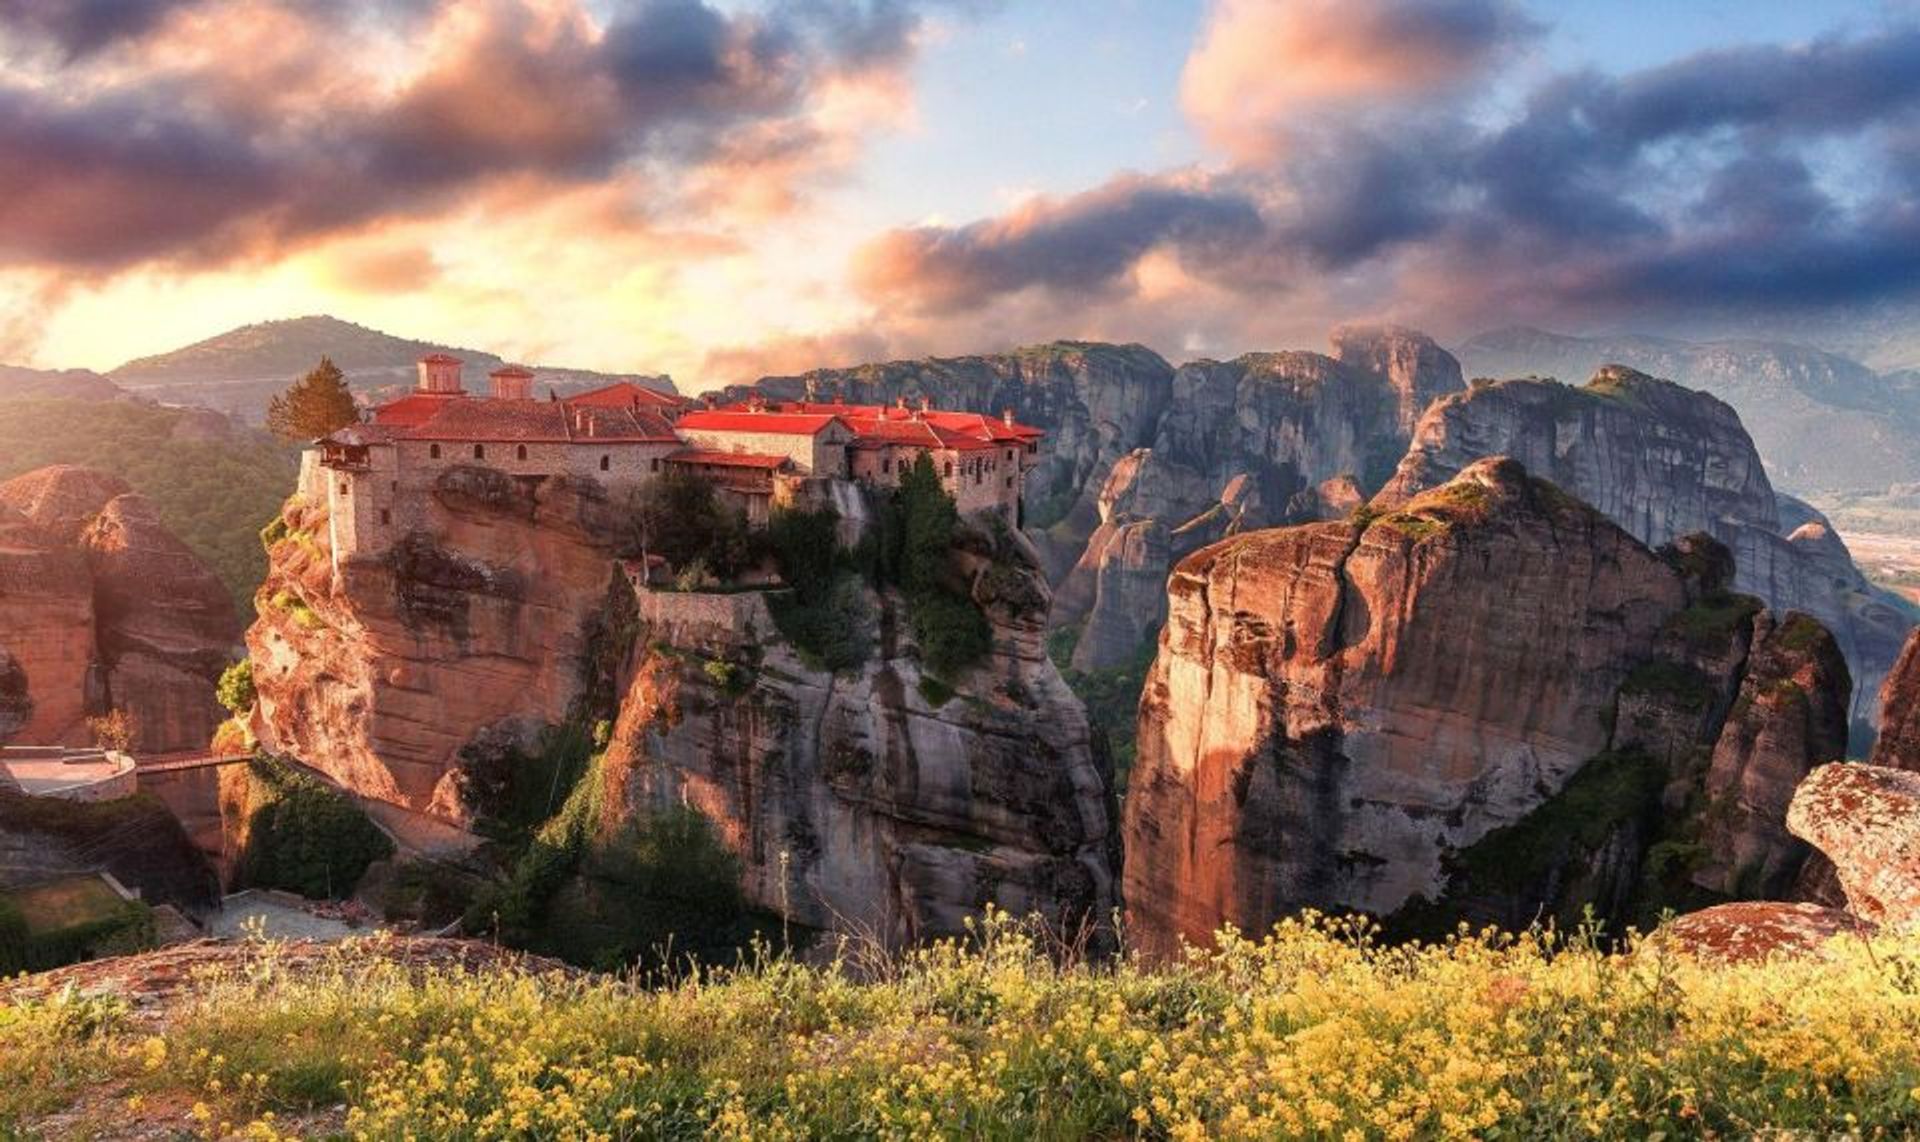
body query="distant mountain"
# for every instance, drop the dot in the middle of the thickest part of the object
(238, 371)
(20, 383)
(1823, 422)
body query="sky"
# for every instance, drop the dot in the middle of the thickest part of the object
(724, 188)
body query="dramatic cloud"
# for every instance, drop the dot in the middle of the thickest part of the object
(1262, 66)
(140, 140)
(1763, 178)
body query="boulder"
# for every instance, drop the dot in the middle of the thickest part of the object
(1866, 819)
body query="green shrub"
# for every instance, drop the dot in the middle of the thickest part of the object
(832, 634)
(951, 632)
(236, 691)
(510, 790)
(304, 835)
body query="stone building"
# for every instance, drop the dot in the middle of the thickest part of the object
(375, 476)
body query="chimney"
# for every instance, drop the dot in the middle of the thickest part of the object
(1006, 417)
(440, 373)
(511, 382)
(813, 389)
(926, 403)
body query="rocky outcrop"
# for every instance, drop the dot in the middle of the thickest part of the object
(1664, 461)
(1097, 402)
(1751, 930)
(1489, 703)
(1866, 819)
(1266, 439)
(875, 800)
(101, 608)
(1898, 746)
(379, 677)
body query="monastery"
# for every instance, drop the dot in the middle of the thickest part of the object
(375, 476)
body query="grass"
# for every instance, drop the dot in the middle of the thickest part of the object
(1314, 1031)
(66, 903)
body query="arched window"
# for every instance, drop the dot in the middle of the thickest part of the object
(654, 465)
(433, 451)
(948, 470)
(520, 452)
(479, 452)
(606, 463)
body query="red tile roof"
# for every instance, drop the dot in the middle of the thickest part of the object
(626, 394)
(727, 459)
(412, 409)
(458, 417)
(869, 418)
(738, 418)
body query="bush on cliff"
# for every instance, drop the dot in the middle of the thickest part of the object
(304, 835)
(681, 519)
(823, 613)
(910, 545)
(236, 691)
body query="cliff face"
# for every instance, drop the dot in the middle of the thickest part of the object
(1245, 444)
(1097, 402)
(1476, 705)
(1898, 746)
(870, 799)
(379, 678)
(1663, 461)
(103, 609)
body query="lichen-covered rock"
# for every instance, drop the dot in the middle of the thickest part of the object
(1866, 820)
(379, 677)
(1753, 930)
(1663, 461)
(872, 800)
(1490, 703)
(1265, 439)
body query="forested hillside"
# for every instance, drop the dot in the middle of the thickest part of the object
(215, 484)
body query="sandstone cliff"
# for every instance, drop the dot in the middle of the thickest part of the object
(101, 608)
(1490, 703)
(1663, 461)
(380, 677)
(1898, 746)
(1265, 439)
(872, 799)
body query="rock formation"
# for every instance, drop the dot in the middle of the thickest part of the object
(876, 799)
(1898, 746)
(1490, 703)
(1663, 461)
(1266, 439)
(1866, 819)
(870, 799)
(101, 608)
(380, 677)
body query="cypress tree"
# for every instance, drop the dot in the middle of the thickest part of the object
(315, 405)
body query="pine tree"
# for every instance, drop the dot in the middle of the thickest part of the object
(315, 405)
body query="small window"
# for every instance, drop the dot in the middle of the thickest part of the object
(520, 452)
(606, 463)
(433, 451)
(386, 517)
(886, 467)
(654, 465)
(1009, 453)
(1009, 481)
(479, 452)
(948, 470)
(344, 489)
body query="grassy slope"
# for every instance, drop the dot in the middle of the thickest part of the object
(1311, 1033)
(214, 494)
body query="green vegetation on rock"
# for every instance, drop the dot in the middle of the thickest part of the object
(303, 835)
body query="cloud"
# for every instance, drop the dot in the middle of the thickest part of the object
(383, 267)
(143, 142)
(1087, 244)
(1752, 181)
(1263, 66)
